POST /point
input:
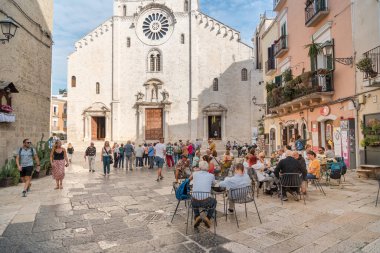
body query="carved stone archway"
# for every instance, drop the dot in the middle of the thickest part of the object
(214, 109)
(97, 109)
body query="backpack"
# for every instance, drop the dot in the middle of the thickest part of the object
(183, 191)
(336, 171)
(300, 145)
(19, 152)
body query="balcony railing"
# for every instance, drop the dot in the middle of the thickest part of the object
(374, 55)
(277, 4)
(315, 10)
(316, 83)
(270, 66)
(281, 46)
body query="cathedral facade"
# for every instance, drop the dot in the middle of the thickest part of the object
(162, 69)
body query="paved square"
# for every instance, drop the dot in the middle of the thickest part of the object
(131, 212)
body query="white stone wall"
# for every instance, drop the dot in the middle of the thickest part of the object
(26, 61)
(216, 53)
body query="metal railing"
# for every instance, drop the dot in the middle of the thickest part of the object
(270, 64)
(313, 7)
(374, 55)
(317, 83)
(281, 43)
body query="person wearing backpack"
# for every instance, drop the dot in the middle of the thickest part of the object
(25, 164)
(299, 144)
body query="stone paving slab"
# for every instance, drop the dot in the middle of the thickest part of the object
(131, 212)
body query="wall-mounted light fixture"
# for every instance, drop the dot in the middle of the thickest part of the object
(8, 28)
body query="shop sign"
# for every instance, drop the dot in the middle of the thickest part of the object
(325, 111)
(337, 142)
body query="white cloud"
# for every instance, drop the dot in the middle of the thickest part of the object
(73, 19)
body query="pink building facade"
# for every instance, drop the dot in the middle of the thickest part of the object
(312, 93)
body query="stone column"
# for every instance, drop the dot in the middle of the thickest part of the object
(85, 127)
(205, 126)
(166, 123)
(142, 123)
(224, 118)
(108, 125)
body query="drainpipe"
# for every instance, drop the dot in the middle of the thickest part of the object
(190, 67)
(357, 106)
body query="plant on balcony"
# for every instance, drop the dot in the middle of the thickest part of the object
(314, 48)
(365, 65)
(287, 75)
(289, 92)
(270, 86)
(305, 77)
(276, 95)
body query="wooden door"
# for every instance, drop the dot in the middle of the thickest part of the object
(215, 127)
(153, 124)
(94, 128)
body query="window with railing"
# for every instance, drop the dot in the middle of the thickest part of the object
(313, 7)
(281, 44)
(374, 56)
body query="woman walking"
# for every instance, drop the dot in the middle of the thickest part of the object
(58, 156)
(106, 157)
(70, 151)
(116, 154)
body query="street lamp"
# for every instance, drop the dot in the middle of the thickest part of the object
(328, 49)
(254, 101)
(8, 28)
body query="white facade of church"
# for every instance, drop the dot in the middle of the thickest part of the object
(162, 69)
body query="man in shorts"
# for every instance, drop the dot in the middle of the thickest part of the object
(25, 165)
(160, 152)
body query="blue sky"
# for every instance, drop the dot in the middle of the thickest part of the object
(73, 19)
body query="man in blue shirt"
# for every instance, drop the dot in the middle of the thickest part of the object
(129, 151)
(202, 182)
(239, 180)
(151, 156)
(25, 164)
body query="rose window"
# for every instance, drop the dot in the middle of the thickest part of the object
(155, 26)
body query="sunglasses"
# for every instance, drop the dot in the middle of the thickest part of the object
(28, 142)
(320, 150)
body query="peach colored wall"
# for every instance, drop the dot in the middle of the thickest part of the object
(299, 35)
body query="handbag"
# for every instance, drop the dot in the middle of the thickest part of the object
(110, 156)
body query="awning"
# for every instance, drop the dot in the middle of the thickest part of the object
(8, 87)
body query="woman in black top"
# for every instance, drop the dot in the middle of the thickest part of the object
(58, 156)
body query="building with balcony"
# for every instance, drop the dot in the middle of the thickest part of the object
(367, 82)
(58, 121)
(310, 92)
(25, 74)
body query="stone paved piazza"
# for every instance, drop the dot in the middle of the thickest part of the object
(131, 212)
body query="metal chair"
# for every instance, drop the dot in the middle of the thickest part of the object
(334, 171)
(201, 201)
(255, 181)
(291, 180)
(243, 196)
(318, 184)
(175, 187)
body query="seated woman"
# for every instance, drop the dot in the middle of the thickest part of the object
(211, 165)
(182, 169)
(264, 175)
(196, 160)
(226, 162)
(314, 169)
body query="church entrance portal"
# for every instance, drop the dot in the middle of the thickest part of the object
(153, 123)
(98, 128)
(215, 127)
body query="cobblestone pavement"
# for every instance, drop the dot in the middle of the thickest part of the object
(131, 212)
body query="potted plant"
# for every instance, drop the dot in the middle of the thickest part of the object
(43, 151)
(287, 75)
(365, 65)
(9, 174)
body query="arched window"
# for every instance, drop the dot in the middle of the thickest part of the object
(97, 88)
(73, 82)
(154, 61)
(182, 38)
(215, 84)
(124, 10)
(128, 42)
(186, 6)
(158, 62)
(244, 74)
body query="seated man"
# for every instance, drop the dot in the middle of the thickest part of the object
(182, 168)
(202, 182)
(264, 174)
(289, 165)
(239, 180)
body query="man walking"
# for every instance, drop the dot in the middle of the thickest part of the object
(139, 156)
(24, 161)
(160, 151)
(91, 154)
(128, 148)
